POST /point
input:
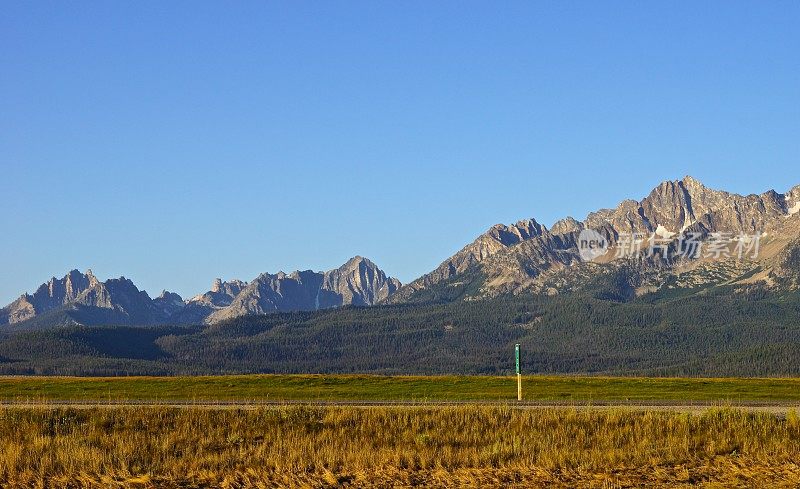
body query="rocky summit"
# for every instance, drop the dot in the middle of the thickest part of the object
(80, 298)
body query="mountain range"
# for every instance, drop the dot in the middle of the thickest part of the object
(80, 298)
(525, 257)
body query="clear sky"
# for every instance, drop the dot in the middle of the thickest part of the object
(175, 142)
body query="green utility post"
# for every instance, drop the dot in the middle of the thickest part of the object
(519, 374)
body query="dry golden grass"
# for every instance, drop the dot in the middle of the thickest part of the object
(303, 446)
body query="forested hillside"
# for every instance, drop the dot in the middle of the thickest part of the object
(722, 334)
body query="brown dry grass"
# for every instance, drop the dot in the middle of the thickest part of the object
(302, 446)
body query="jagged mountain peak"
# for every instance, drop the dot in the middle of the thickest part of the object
(357, 262)
(688, 182)
(51, 295)
(566, 226)
(92, 279)
(167, 295)
(691, 182)
(517, 232)
(169, 303)
(224, 286)
(357, 259)
(86, 300)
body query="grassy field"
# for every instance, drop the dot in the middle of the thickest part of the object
(399, 446)
(370, 387)
(456, 446)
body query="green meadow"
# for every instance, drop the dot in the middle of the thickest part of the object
(397, 388)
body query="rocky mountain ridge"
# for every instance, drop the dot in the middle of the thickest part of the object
(528, 256)
(82, 299)
(116, 300)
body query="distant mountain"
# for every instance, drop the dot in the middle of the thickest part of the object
(51, 295)
(80, 298)
(357, 282)
(527, 256)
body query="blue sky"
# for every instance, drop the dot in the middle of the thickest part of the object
(176, 142)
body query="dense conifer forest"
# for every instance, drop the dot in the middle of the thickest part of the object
(723, 334)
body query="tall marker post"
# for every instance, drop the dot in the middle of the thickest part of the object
(519, 374)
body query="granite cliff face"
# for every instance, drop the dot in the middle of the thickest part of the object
(79, 298)
(528, 256)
